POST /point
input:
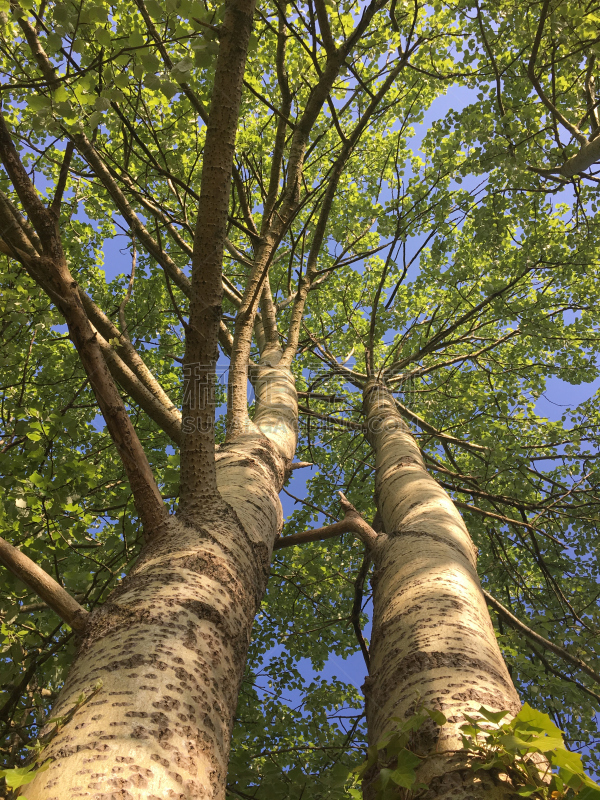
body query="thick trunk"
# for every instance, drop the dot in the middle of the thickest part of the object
(432, 640)
(170, 643)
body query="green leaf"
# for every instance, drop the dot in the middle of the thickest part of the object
(155, 9)
(60, 95)
(384, 778)
(589, 793)
(136, 40)
(567, 759)
(436, 716)
(493, 716)
(404, 774)
(21, 776)
(537, 744)
(532, 719)
(97, 13)
(102, 104)
(94, 119)
(151, 62)
(37, 102)
(103, 37)
(169, 89)
(152, 82)
(181, 70)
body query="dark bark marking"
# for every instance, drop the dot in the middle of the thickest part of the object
(421, 661)
(406, 531)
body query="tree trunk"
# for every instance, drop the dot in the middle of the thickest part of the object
(170, 643)
(432, 641)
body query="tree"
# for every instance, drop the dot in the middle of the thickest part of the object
(318, 144)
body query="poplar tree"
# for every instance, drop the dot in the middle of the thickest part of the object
(254, 162)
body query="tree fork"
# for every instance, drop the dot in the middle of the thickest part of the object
(170, 643)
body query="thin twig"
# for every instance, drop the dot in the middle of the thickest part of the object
(357, 606)
(516, 623)
(127, 298)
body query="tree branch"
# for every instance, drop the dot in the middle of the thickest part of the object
(324, 28)
(357, 607)
(51, 592)
(237, 406)
(167, 418)
(406, 412)
(198, 476)
(352, 523)
(573, 129)
(62, 180)
(127, 298)
(187, 90)
(320, 229)
(125, 351)
(50, 270)
(91, 155)
(516, 623)
(509, 521)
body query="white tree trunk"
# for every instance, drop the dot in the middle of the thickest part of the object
(433, 641)
(170, 644)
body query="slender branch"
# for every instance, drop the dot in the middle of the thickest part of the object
(316, 535)
(590, 94)
(62, 180)
(309, 505)
(324, 28)
(573, 129)
(51, 592)
(127, 298)
(237, 406)
(439, 339)
(369, 350)
(197, 104)
(280, 134)
(39, 53)
(562, 676)
(229, 290)
(124, 349)
(336, 172)
(406, 412)
(325, 398)
(174, 303)
(357, 607)
(225, 338)
(509, 521)
(493, 61)
(166, 417)
(243, 201)
(343, 423)
(50, 270)
(516, 623)
(91, 155)
(352, 523)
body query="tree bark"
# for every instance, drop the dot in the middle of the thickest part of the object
(197, 473)
(170, 643)
(432, 641)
